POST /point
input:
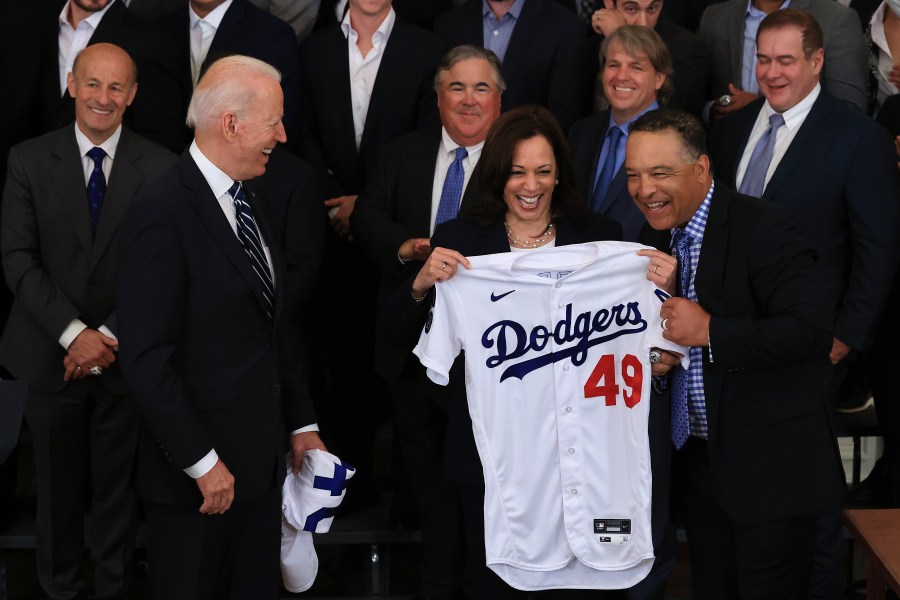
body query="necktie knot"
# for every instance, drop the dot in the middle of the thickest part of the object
(97, 155)
(461, 154)
(681, 239)
(776, 121)
(615, 134)
(235, 190)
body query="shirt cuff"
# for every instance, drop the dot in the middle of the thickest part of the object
(107, 332)
(402, 260)
(75, 327)
(308, 428)
(203, 466)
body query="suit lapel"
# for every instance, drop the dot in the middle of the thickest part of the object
(68, 176)
(424, 162)
(271, 240)
(711, 266)
(472, 30)
(527, 30)
(338, 89)
(806, 138)
(735, 27)
(387, 80)
(124, 180)
(229, 28)
(602, 128)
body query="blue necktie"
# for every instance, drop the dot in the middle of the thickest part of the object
(96, 188)
(754, 181)
(248, 234)
(609, 168)
(681, 426)
(452, 191)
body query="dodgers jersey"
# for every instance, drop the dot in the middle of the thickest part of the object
(557, 346)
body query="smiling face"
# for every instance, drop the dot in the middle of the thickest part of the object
(785, 74)
(468, 100)
(529, 190)
(256, 132)
(629, 82)
(666, 185)
(102, 85)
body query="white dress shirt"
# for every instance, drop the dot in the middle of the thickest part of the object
(76, 326)
(885, 61)
(202, 33)
(793, 120)
(364, 69)
(446, 156)
(73, 40)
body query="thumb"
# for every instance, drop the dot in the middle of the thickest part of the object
(733, 90)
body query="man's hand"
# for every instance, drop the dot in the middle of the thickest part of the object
(839, 351)
(661, 269)
(300, 443)
(90, 349)
(685, 322)
(739, 99)
(340, 218)
(217, 487)
(607, 19)
(667, 361)
(894, 75)
(73, 371)
(415, 249)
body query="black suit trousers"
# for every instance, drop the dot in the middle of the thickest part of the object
(85, 442)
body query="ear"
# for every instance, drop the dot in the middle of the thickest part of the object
(660, 80)
(131, 94)
(702, 166)
(229, 126)
(70, 83)
(818, 58)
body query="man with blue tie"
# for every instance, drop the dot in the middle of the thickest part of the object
(65, 195)
(755, 458)
(636, 70)
(422, 180)
(209, 349)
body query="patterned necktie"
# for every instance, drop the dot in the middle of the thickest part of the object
(681, 426)
(609, 169)
(96, 188)
(586, 10)
(248, 234)
(755, 178)
(453, 188)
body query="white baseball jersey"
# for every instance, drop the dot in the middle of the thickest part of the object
(557, 346)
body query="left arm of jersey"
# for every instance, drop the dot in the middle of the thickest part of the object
(441, 338)
(792, 314)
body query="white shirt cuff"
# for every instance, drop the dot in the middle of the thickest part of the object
(313, 427)
(203, 466)
(71, 332)
(106, 331)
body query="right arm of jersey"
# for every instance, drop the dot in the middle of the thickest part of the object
(441, 338)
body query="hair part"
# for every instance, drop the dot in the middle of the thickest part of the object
(495, 165)
(224, 87)
(636, 41)
(469, 52)
(686, 126)
(812, 38)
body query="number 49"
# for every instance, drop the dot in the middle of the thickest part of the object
(602, 381)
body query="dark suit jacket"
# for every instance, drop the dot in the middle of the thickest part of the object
(586, 141)
(547, 60)
(208, 368)
(402, 100)
(154, 9)
(839, 180)
(395, 208)
(160, 105)
(771, 452)
(56, 269)
(248, 30)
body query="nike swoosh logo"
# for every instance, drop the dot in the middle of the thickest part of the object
(495, 297)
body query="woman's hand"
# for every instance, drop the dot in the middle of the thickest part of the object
(441, 265)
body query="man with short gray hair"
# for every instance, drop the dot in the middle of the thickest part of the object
(209, 350)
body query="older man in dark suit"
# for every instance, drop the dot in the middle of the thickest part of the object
(756, 460)
(158, 112)
(541, 45)
(65, 195)
(209, 349)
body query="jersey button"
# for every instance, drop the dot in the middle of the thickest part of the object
(574, 492)
(571, 450)
(568, 409)
(565, 367)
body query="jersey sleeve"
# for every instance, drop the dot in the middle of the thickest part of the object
(441, 338)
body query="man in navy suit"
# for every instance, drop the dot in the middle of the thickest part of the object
(209, 350)
(636, 70)
(542, 46)
(831, 167)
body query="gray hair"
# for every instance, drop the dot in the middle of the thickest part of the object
(224, 88)
(469, 52)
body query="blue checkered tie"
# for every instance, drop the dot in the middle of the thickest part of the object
(608, 173)
(248, 234)
(754, 181)
(681, 426)
(452, 191)
(96, 188)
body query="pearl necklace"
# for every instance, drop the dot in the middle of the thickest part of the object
(529, 244)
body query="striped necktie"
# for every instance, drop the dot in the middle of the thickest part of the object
(249, 236)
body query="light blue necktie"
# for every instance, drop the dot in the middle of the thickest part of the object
(96, 188)
(608, 172)
(452, 191)
(681, 426)
(755, 178)
(248, 234)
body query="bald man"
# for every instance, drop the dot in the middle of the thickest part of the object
(65, 195)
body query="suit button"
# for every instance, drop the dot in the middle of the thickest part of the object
(276, 389)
